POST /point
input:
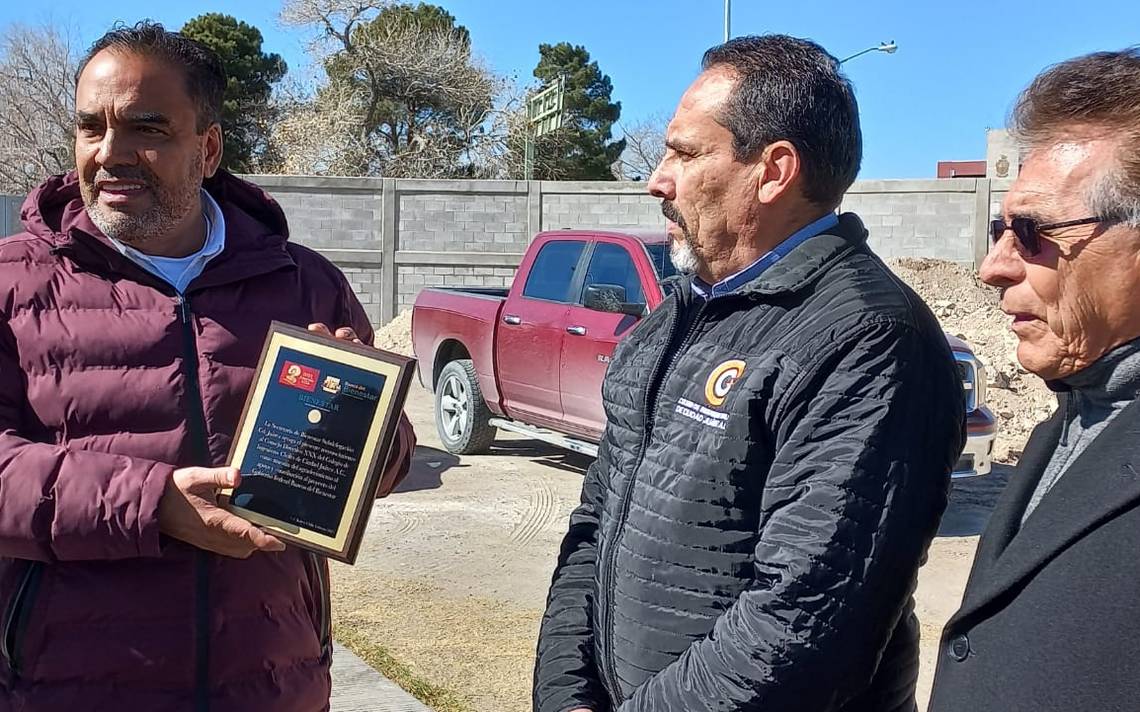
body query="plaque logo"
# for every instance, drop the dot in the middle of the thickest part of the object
(299, 376)
(331, 385)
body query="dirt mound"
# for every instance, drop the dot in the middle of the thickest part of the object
(396, 335)
(968, 309)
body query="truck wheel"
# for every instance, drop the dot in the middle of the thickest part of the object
(461, 414)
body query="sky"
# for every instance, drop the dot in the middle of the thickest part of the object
(958, 68)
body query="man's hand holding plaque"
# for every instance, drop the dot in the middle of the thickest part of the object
(344, 333)
(189, 511)
(322, 418)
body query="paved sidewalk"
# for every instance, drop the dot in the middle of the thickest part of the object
(359, 688)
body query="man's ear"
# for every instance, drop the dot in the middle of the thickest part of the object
(212, 150)
(779, 170)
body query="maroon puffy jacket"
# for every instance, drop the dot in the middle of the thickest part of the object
(108, 382)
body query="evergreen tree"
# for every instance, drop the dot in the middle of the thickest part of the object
(251, 74)
(586, 149)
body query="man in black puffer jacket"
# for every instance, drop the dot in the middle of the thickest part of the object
(780, 431)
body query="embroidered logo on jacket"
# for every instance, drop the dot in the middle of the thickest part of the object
(721, 380)
(717, 386)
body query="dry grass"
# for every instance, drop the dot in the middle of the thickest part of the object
(434, 696)
(454, 654)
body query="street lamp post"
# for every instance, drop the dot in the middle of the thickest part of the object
(727, 19)
(888, 47)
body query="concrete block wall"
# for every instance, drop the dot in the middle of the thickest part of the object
(446, 220)
(936, 218)
(1000, 188)
(587, 205)
(394, 237)
(366, 283)
(412, 278)
(10, 214)
(329, 213)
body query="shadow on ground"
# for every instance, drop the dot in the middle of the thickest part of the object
(428, 464)
(971, 502)
(543, 453)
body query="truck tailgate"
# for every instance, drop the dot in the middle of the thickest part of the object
(457, 323)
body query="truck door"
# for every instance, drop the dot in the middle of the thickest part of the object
(528, 338)
(592, 334)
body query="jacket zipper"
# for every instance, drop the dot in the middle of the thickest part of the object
(17, 616)
(196, 422)
(651, 394)
(325, 619)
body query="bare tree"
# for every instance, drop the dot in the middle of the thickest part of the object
(37, 106)
(334, 19)
(316, 136)
(403, 95)
(499, 151)
(644, 148)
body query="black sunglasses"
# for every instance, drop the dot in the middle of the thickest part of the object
(1028, 231)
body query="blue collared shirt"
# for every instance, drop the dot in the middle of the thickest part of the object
(179, 272)
(730, 284)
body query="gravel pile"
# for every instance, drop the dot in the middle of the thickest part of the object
(396, 335)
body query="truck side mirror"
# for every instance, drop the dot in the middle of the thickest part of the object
(610, 298)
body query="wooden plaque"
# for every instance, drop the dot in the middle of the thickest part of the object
(318, 425)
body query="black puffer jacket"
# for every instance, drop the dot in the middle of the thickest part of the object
(766, 490)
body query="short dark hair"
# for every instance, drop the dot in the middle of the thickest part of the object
(205, 75)
(792, 89)
(1093, 96)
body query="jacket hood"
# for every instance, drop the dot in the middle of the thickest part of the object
(55, 207)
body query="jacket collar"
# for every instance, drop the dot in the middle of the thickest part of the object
(730, 284)
(1101, 483)
(804, 263)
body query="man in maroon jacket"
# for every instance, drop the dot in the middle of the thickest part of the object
(132, 313)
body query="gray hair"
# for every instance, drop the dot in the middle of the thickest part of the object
(1097, 95)
(1111, 197)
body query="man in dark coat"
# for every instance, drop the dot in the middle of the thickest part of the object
(1050, 620)
(780, 432)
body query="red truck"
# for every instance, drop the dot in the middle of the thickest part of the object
(530, 359)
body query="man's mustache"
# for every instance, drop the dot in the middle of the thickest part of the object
(669, 210)
(125, 174)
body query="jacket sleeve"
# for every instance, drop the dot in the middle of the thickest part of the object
(566, 674)
(63, 504)
(864, 444)
(400, 458)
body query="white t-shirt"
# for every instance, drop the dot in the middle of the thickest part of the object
(181, 271)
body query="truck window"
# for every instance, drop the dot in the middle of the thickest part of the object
(553, 271)
(659, 256)
(611, 264)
